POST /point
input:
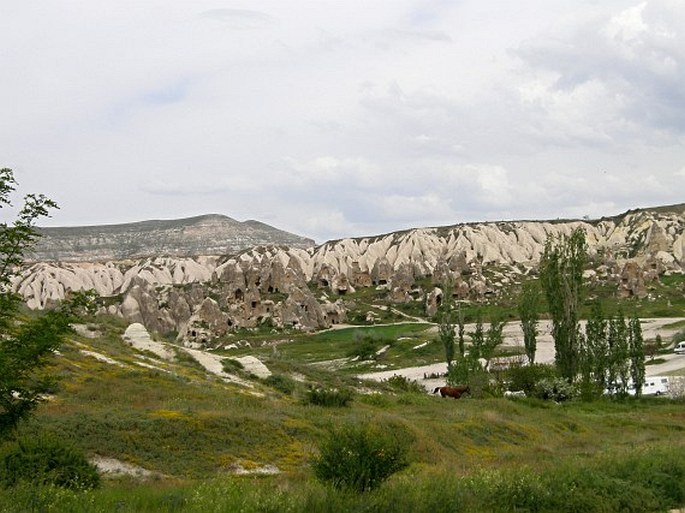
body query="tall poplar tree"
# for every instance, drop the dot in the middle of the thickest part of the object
(561, 277)
(446, 325)
(528, 313)
(636, 350)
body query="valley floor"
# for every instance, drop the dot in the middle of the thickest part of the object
(513, 337)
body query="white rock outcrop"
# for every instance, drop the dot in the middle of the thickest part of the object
(210, 295)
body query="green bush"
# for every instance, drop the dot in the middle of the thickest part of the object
(361, 457)
(555, 389)
(46, 460)
(230, 365)
(403, 384)
(282, 383)
(366, 348)
(328, 397)
(526, 377)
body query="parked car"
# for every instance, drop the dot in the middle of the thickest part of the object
(679, 348)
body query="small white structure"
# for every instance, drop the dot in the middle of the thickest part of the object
(654, 385)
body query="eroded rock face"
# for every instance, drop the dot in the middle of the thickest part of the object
(213, 295)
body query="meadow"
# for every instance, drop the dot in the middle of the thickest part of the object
(211, 445)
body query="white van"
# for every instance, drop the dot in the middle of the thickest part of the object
(679, 348)
(655, 385)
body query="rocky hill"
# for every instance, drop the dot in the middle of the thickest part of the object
(204, 297)
(201, 235)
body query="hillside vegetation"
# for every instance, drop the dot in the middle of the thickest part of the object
(195, 433)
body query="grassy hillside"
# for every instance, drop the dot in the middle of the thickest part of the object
(193, 430)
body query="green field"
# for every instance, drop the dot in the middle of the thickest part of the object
(193, 430)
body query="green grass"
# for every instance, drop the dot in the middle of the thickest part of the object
(188, 424)
(637, 481)
(193, 428)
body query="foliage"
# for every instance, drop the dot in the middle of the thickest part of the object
(678, 337)
(366, 347)
(404, 384)
(331, 397)
(231, 365)
(477, 339)
(493, 338)
(26, 344)
(595, 361)
(526, 377)
(528, 313)
(446, 334)
(360, 457)
(561, 277)
(554, 389)
(282, 383)
(461, 330)
(45, 460)
(636, 352)
(618, 368)
(460, 371)
(632, 481)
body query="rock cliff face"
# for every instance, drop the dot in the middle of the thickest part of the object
(204, 297)
(202, 235)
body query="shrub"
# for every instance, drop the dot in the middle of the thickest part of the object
(230, 365)
(361, 457)
(328, 397)
(403, 384)
(366, 348)
(46, 460)
(555, 389)
(526, 377)
(282, 383)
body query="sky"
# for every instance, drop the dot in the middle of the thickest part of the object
(343, 118)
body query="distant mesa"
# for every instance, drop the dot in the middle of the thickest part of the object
(211, 234)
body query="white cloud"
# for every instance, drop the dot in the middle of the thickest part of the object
(344, 118)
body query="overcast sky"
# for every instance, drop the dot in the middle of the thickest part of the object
(344, 118)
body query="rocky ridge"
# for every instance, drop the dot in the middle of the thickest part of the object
(201, 235)
(205, 297)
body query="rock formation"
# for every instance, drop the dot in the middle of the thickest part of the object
(204, 297)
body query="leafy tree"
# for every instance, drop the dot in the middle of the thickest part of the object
(618, 365)
(26, 342)
(493, 338)
(636, 351)
(528, 313)
(461, 330)
(446, 326)
(561, 277)
(597, 347)
(477, 340)
(526, 377)
(465, 366)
